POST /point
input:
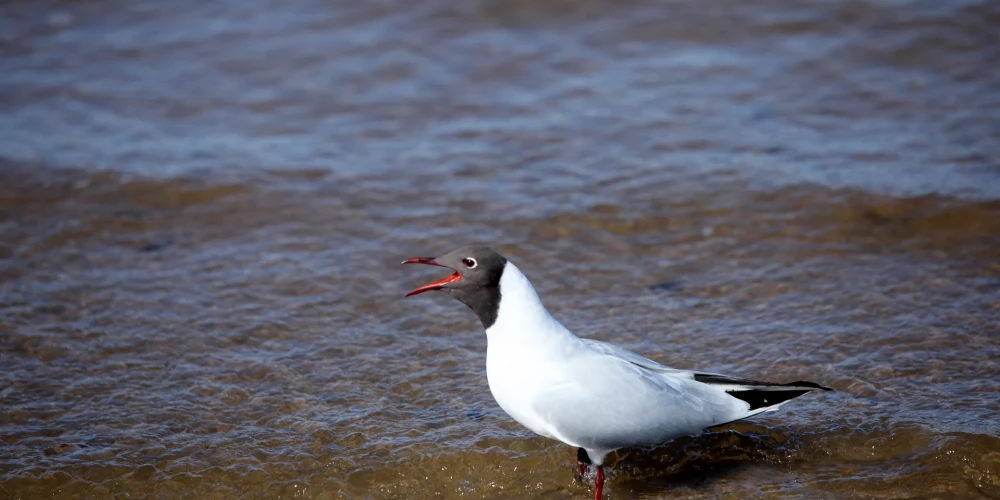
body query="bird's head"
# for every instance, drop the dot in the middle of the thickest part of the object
(475, 281)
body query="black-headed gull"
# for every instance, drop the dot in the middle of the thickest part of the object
(592, 395)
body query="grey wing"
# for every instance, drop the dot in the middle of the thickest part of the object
(766, 396)
(620, 403)
(635, 359)
(687, 384)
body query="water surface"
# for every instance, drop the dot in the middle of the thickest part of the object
(203, 208)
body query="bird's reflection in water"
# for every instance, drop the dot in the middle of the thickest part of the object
(693, 462)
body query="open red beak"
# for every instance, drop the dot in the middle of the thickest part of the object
(437, 285)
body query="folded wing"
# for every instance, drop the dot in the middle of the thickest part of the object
(761, 396)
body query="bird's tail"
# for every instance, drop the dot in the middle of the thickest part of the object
(761, 396)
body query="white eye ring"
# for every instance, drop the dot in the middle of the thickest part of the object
(470, 262)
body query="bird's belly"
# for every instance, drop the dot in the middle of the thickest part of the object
(556, 400)
(513, 392)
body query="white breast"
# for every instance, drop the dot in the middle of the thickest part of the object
(522, 344)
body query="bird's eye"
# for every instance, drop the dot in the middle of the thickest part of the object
(469, 262)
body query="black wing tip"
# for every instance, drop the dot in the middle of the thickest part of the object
(806, 383)
(758, 399)
(709, 378)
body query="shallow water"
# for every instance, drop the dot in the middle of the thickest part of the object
(203, 208)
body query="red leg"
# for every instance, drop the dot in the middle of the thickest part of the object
(599, 483)
(581, 467)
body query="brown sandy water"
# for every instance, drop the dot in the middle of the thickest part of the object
(203, 208)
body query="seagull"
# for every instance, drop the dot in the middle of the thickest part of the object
(592, 395)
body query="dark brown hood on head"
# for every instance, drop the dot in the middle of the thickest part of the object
(475, 282)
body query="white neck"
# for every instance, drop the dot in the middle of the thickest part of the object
(521, 317)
